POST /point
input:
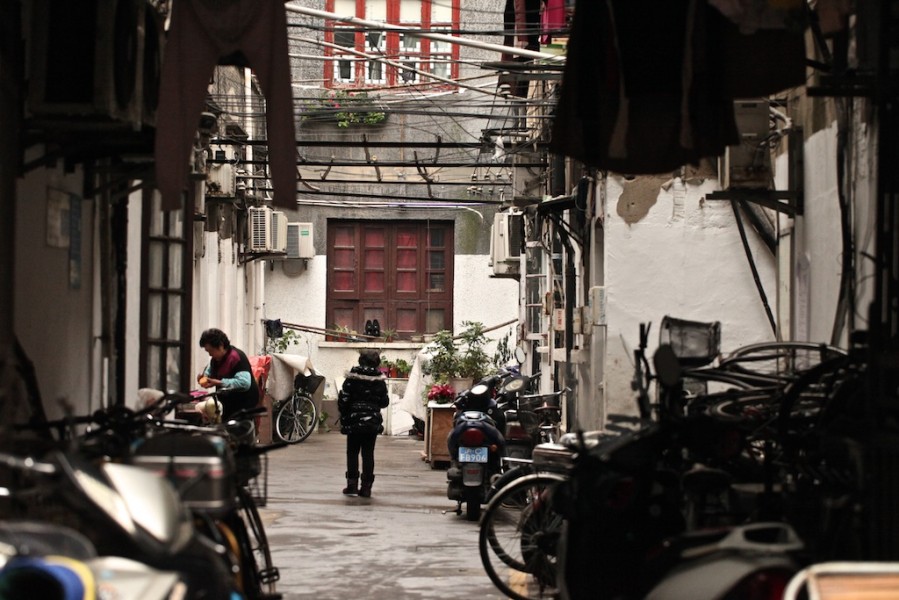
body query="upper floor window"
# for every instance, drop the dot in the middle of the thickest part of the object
(414, 55)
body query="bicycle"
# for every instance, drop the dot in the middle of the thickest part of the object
(295, 417)
(518, 535)
(224, 509)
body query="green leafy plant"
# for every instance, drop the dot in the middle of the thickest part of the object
(444, 362)
(346, 108)
(280, 345)
(466, 358)
(399, 368)
(503, 353)
(403, 368)
(474, 361)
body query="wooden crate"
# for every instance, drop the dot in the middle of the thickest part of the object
(437, 427)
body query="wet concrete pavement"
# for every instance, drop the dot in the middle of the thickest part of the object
(397, 544)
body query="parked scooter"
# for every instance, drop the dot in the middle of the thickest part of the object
(475, 446)
(520, 423)
(124, 510)
(54, 562)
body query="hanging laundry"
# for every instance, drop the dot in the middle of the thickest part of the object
(521, 26)
(641, 93)
(552, 20)
(202, 32)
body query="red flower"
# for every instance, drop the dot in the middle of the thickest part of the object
(442, 392)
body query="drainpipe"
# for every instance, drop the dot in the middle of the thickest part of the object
(10, 124)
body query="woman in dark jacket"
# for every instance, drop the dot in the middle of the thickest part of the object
(230, 371)
(363, 395)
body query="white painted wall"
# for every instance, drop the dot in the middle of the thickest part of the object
(53, 319)
(223, 297)
(818, 238)
(684, 258)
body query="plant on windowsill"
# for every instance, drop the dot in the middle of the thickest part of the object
(344, 108)
(403, 368)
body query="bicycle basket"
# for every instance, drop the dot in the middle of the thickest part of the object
(694, 343)
(308, 383)
(535, 401)
(529, 421)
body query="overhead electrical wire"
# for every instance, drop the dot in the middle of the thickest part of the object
(416, 101)
(417, 31)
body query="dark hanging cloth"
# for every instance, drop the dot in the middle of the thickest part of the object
(201, 32)
(761, 63)
(641, 93)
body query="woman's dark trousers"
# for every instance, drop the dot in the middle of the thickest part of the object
(364, 443)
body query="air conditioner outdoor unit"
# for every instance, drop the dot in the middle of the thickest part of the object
(87, 60)
(506, 240)
(260, 233)
(748, 164)
(299, 241)
(279, 231)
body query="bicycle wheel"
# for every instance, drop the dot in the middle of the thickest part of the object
(518, 535)
(296, 418)
(258, 572)
(782, 361)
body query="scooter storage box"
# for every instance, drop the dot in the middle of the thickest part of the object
(201, 467)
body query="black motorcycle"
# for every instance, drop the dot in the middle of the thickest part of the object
(475, 446)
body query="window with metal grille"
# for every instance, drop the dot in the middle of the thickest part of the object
(166, 294)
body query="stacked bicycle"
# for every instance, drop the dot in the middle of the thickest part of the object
(702, 455)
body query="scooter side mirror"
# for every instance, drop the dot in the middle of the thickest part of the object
(667, 366)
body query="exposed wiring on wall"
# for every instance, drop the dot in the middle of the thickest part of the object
(755, 273)
(845, 312)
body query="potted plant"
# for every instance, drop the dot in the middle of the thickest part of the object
(344, 108)
(461, 362)
(385, 366)
(473, 361)
(444, 362)
(441, 393)
(403, 368)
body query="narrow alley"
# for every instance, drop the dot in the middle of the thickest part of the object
(396, 544)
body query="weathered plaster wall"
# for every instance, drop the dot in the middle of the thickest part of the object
(675, 253)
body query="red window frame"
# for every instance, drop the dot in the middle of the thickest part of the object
(393, 50)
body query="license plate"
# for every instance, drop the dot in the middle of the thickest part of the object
(473, 455)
